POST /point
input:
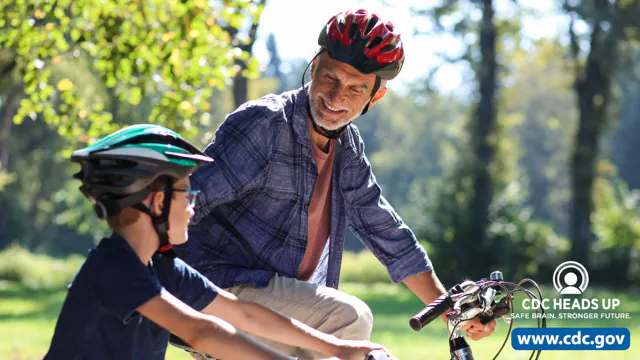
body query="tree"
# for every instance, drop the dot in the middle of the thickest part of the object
(174, 52)
(485, 124)
(539, 102)
(240, 80)
(596, 59)
(477, 164)
(411, 144)
(273, 67)
(478, 218)
(625, 142)
(32, 203)
(9, 96)
(81, 69)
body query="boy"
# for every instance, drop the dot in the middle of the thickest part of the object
(131, 291)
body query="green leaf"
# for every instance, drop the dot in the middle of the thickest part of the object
(75, 34)
(135, 96)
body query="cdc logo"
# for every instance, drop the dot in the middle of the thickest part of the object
(570, 278)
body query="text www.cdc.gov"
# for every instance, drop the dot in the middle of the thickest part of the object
(571, 339)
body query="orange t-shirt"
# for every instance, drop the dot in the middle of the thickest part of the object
(319, 212)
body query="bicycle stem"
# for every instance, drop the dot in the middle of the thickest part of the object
(460, 349)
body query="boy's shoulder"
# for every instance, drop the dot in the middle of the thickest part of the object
(112, 261)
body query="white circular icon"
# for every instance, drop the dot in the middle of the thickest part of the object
(570, 278)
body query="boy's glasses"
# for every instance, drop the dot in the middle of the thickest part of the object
(192, 195)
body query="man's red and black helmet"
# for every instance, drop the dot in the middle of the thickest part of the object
(364, 41)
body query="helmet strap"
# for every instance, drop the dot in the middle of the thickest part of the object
(329, 134)
(109, 207)
(304, 74)
(161, 223)
(376, 87)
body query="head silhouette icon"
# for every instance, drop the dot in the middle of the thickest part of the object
(570, 278)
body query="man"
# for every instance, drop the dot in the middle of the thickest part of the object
(291, 173)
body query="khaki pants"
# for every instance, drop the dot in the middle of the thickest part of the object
(322, 308)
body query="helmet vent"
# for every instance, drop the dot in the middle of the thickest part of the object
(370, 25)
(115, 163)
(388, 48)
(352, 30)
(160, 139)
(149, 139)
(375, 42)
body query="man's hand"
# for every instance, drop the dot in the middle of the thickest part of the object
(356, 350)
(476, 331)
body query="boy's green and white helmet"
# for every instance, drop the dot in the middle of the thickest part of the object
(117, 170)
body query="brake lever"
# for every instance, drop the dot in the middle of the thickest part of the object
(500, 309)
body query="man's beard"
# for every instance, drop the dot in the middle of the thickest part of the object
(319, 119)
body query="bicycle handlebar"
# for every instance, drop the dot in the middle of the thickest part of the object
(469, 300)
(431, 312)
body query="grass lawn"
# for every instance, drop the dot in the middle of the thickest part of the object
(27, 320)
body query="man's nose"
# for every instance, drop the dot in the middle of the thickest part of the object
(336, 95)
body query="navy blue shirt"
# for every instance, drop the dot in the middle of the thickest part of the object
(99, 318)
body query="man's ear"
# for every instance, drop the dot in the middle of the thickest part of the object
(378, 96)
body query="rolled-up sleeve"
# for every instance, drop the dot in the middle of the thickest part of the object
(240, 150)
(376, 224)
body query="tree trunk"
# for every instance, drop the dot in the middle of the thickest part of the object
(5, 132)
(8, 111)
(240, 82)
(240, 86)
(484, 125)
(593, 91)
(626, 142)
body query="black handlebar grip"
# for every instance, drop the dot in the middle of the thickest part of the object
(431, 312)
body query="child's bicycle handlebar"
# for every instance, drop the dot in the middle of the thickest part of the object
(469, 300)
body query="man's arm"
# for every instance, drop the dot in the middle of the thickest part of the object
(380, 228)
(258, 320)
(427, 287)
(205, 333)
(241, 151)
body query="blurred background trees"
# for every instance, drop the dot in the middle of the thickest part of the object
(530, 162)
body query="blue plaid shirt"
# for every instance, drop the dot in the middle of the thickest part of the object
(251, 216)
